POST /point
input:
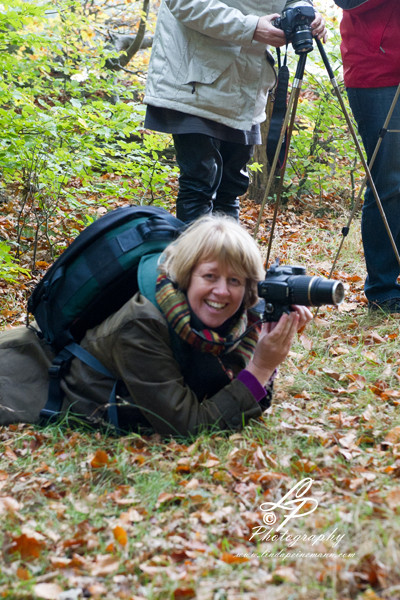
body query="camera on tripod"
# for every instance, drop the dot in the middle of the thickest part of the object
(288, 284)
(295, 23)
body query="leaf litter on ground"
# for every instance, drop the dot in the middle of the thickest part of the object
(91, 515)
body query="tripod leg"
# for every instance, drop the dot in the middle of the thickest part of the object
(290, 114)
(358, 146)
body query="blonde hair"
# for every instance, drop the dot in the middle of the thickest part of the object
(218, 238)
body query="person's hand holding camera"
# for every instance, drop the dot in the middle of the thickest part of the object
(275, 342)
(267, 33)
(318, 27)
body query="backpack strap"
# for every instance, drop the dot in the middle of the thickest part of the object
(58, 369)
(59, 366)
(147, 274)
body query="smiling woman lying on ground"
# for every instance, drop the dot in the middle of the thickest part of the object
(183, 366)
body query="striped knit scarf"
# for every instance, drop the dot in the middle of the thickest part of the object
(175, 308)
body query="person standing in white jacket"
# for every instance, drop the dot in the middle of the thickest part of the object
(208, 80)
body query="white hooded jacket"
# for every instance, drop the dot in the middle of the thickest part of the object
(204, 61)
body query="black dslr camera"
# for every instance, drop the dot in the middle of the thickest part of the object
(295, 23)
(286, 285)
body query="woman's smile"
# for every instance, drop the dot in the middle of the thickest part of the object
(215, 292)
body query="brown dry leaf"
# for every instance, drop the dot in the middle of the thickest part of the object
(104, 565)
(150, 569)
(339, 351)
(372, 570)
(10, 454)
(334, 374)
(360, 380)
(368, 412)
(98, 590)
(393, 498)
(27, 546)
(346, 307)
(303, 394)
(285, 574)
(267, 479)
(167, 497)
(8, 504)
(184, 593)
(23, 574)
(139, 458)
(100, 459)
(393, 436)
(233, 558)
(47, 591)
(60, 563)
(184, 465)
(390, 395)
(375, 338)
(356, 483)
(131, 516)
(346, 453)
(42, 264)
(306, 342)
(348, 440)
(211, 462)
(371, 356)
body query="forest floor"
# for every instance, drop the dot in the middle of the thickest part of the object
(90, 515)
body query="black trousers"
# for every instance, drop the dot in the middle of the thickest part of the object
(212, 175)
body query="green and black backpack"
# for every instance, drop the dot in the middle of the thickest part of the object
(102, 268)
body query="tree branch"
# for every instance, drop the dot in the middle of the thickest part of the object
(131, 44)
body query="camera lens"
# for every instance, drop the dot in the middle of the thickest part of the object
(326, 291)
(302, 40)
(316, 291)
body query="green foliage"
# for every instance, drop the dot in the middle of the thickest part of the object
(8, 269)
(71, 129)
(255, 167)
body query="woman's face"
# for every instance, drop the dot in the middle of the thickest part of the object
(215, 292)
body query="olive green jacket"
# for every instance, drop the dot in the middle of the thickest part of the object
(134, 344)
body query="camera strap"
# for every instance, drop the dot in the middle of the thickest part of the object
(278, 114)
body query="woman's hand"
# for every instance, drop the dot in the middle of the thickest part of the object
(275, 342)
(305, 316)
(266, 33)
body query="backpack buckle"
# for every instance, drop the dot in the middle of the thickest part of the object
(57, 371)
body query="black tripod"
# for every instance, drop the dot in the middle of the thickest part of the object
(287, 129)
